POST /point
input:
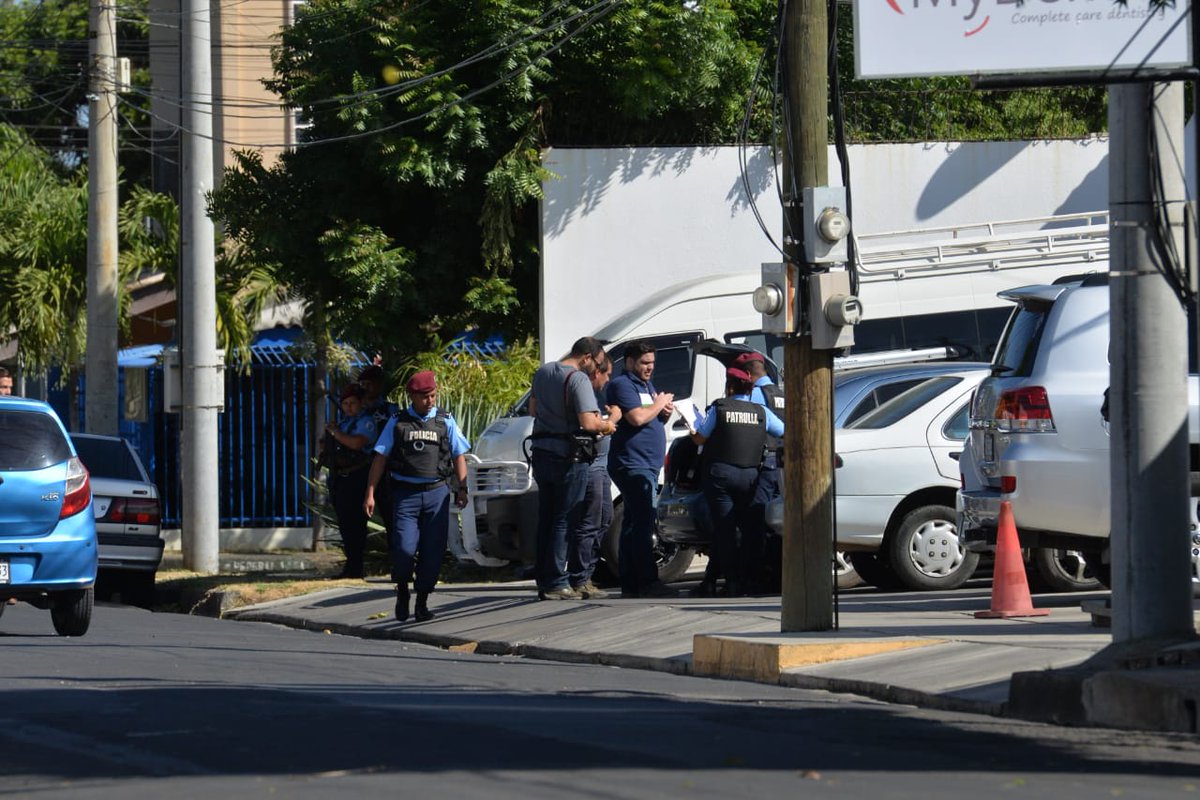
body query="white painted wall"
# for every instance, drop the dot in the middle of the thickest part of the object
(620, 223)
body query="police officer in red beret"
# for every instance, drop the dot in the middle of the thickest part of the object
(734, 434)
(354, 436)
(421, 449)
(756, 562)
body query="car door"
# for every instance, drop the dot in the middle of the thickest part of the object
(948, 431)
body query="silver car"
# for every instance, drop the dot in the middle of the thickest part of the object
(128, 516)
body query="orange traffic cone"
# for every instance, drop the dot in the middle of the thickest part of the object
(1010, 589)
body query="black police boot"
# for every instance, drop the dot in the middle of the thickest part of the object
(402, 602)
(423, 614)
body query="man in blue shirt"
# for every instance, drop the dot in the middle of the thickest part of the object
(634, 461)
(421, 449)
(734, 433)
(754, 548)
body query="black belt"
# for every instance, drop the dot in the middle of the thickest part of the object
(418, 487)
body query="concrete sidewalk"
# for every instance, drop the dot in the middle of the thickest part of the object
(919, 649)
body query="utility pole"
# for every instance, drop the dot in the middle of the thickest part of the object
(202, 388)
(808, 440)
(100, 365)
(1151, 565)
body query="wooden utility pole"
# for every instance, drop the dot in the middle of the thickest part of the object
(808, 443)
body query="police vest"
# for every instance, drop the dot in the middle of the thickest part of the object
(421, 448)
(739, 435)
(774, 397)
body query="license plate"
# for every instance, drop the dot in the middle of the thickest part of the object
(5, 571)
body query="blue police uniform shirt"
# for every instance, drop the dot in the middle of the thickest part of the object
(709, 423)
(361, 424)
(635, 447)
(757, 395)
(458, 443)
(382, 411)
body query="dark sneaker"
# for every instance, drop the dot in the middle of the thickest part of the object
(561, 593)
(590, 591)
(402, 603)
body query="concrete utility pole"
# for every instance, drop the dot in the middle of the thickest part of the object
(808, 443)
(202, 388)
(1151, 566)
(100, 365)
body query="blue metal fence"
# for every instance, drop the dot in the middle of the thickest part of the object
(265, 444)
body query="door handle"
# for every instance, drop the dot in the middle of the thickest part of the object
(956, 456)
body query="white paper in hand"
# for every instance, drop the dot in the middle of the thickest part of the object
(689, 414)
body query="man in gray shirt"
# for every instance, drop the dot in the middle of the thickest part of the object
(564, 409)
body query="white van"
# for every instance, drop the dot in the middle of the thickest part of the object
(920, 289)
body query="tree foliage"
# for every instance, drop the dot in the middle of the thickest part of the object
(410, 211)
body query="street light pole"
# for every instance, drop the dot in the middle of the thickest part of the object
(200, 373)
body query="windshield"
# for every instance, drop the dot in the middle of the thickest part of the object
(906, 403)
(30, 440)
(1019, 345)
(107, 458)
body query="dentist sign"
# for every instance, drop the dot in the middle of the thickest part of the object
(910, 38)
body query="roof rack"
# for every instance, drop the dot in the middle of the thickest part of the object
(885, 357)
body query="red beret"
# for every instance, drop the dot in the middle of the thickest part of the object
(733, 373)
(746, 358)
(352, 390)
(422, 382)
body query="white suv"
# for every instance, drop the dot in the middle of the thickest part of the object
(1038, 438)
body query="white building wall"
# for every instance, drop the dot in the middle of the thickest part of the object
(622, 222)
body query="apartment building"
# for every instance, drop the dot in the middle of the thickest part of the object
(246, 116)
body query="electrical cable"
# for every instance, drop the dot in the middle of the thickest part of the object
(1169, 263)
(839, 138)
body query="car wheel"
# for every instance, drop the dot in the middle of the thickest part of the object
(672, 560)
(845, 574)
(71, 611)
(874, 570)
(925, 552)
(1061, 570)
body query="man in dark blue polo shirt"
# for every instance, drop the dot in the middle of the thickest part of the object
(634, 460)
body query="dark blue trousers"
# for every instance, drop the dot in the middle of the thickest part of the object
(729, 491)
(754, 536)
(347, 493)
(562, 484)
(422, 523)
(597, 517)
(639, 488)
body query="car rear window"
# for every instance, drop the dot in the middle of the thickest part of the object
(31, 440)
(904, 404)
(1019, 345)
(106, 458)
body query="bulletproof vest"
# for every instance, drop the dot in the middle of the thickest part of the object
(739, 435)
(774, 397)
(420, 448)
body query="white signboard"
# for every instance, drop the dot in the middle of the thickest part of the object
(911, 38)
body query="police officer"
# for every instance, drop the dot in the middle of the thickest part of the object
(754, 555)
(734, 433)
(356, 432)
(422, 450)
(376, 403)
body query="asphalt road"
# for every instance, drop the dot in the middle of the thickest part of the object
(158, 705)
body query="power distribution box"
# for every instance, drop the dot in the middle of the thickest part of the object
(833, 311)
(826, 226)
(777, 299)
(173, 382)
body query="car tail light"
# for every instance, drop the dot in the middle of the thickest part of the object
(133, 511)
(79, 489)
(1024, 410)
(1008, 484)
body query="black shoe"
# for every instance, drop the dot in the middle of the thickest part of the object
(658, 589)
(422, 613)
(401, 603)
(705, 588)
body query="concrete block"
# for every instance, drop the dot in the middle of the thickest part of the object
(1151, 699)
(763, 660)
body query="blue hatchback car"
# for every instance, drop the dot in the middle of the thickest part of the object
(48, 550)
